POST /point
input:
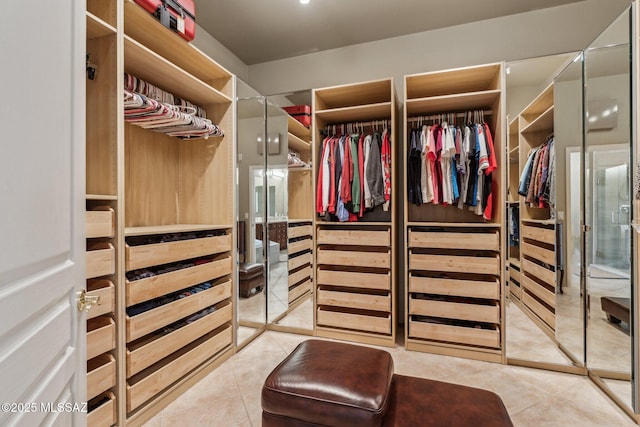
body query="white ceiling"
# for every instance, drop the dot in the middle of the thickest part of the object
(265, 30)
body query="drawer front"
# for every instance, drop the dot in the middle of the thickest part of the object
(149, 321)
(298, 291)
(299, 275)
(456, 264)
(354, 237)
(299, 261)
(514, 274)
(540, 310)
(485, 241)
(299, 246)
(302, 230)
(152, 287)
(151, 352)
(106, 292)
(354, 300)
(105, 414)
(539, 272)
(360, 322)
(540, 234)
(515, 290)
(455, 287)
(354, 258)
(539, 253)
(162, 253)
(354, 279)
(101, 375)
(154, 383)
(540, 291)
(101, 260)
(100, 223)
(101, 336)
(455, 334)
(454, 310)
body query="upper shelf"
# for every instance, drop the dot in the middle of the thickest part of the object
(97, 28)
(373, 92)
(298, 129)
(457, 102)
(539, 105)
(298, 144)
(542, 123)
(147, 65)
(379, 111)
(144, 28)
(450, 82)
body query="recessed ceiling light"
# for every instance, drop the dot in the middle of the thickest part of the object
(304, 1)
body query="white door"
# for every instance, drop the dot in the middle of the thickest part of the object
(42, 114)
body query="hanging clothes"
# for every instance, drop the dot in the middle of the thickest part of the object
(386, 168)
(537, 181)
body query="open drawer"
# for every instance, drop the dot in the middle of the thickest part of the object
(455, 334)
(152, 287)
(354, 279)
(355, 258)
(326, 236)
(300, 275)
(368, 322)
(101, 336)
(154, 319)
(160, 376)
(299, 261)
(539, 233)
(154, 348)
(106, 291)
(102, 411)
(362, 301)
(101, 259)
(163, 253)
(455, 310)
(299, 231)
(100, 222)
(299, 246)
(101, 375)
(298, 291)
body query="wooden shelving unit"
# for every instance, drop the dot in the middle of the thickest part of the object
(355, 262)
(455, 258)
(513, 208)
(160, 217)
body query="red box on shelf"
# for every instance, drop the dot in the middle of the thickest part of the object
(301, 113)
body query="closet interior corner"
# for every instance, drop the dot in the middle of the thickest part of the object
(356, 220)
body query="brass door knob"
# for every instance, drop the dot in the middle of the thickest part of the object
(85, 302)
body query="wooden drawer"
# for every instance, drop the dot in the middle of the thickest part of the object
(101, 375)
(380, 324)
(455, 264)
(152, 320)
(101, 336)
(105, 414)
(485, 241)
(514, 274)
(546, 235)
(299, 246)
(100, 223)
(539, 272)
(101, 259)
(298, 291)
(354, 279)
(162, 253)
(299, 275)
(354, 258)
(539, 253)
(455, 334)
(455, 287)
(152, 287)
(515, 290)
(455, 310)
(540, 291)
(180, 364)
(539, 309)
(354, 300)
(353, 237)
(106, 291)
(302, 230)
(300, 260)
(156, 348)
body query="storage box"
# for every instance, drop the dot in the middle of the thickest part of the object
(178, 15)
(301, 113)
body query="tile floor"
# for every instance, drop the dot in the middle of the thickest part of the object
(230, 396)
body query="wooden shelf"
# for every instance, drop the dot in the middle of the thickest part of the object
(299, 169)
(539, 221)
(543, 123)
(456, 102)
(298, 144)
(453, 224)
(175, 228)
(141, 26)
(100, 197)
(151, 67)
(97, 28)
(299, 221)
(380, 111)
(351, 95)
(450, 82)
(539, 105)
(298, 129)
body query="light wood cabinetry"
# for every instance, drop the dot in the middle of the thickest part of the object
(455, 257)
(355, 262)
(159, 221)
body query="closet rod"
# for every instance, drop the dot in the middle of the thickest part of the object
(438, 116)
(354, 126)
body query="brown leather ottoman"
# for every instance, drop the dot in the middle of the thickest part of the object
(324, 383)
(616, 308)
(251, 276)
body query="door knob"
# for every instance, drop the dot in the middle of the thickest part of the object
(85, 302)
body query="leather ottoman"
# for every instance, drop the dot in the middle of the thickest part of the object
(616, 308)
(251, 276)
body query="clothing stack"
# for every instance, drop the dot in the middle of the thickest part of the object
(537, 181)
(354, 175)
(452, 165)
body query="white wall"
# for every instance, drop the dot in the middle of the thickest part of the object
(223, 56)
(543, 32)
